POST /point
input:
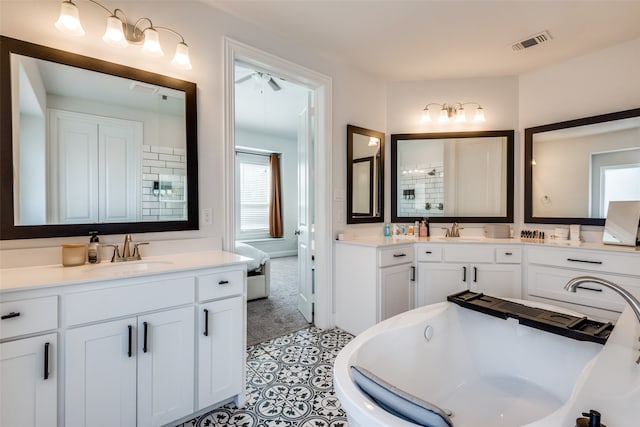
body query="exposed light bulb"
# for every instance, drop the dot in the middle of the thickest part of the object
(479, 117)
(151, 44)
(69, 20)
(114, 34)
(181, 58)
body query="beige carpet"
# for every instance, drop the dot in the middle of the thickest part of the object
(278, 314)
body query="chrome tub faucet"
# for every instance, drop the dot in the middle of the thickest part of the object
(574, 284)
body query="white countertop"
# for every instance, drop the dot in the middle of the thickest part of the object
(15, 279)
(381, 241)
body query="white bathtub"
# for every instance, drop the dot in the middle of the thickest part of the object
(487, 371)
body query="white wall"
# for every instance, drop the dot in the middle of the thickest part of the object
(357, 98)
(288, 148)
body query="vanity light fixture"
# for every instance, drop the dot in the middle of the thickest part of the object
(120, 33)
(453, 112)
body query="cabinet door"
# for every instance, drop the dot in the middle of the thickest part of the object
(437, 281)
(100, 375)
(165, 366)
(27, 398)
(396, 290)
(220, 352)
(498, 280)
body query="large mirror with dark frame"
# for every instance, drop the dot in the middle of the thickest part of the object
(452, 176)
(89, 145)
(365, 175)
(573, 169)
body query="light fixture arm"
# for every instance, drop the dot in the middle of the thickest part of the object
(171, 31)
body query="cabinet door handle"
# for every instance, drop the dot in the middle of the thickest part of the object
(428, 252)
(584, 260)
(223, 282)
(130, 351)
(508, 253)
(464, 274)
(10, 315)
(46, 361)
(399, 255)
(413, 273)
(475, 274)
(587, 288)
(206, 322)
(144, 337)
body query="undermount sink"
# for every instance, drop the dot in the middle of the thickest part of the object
(127, 267)
(459, 239)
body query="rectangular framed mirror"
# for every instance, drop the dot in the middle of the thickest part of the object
(365, 175)
(89, 145)
(452, 176)
(573, 169)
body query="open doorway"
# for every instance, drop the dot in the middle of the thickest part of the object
(317, 234)
(271, 141)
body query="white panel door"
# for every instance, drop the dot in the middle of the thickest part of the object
(73, 192)
(119, 159)
(396, 290)
(165, 366)
(220, 352)
(100, 375)
(305, 209)
(27, 399)
(437, 281)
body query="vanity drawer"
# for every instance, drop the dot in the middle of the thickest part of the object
(549, 282)
(429, 253)
(220, 284)
(508, 255)
(619, 263)
(395, 256)
(128, 299)
(469, 253)
(28, 316)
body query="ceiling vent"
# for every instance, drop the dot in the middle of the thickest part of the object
(534, 40)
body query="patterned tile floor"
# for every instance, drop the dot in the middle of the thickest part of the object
(289, 384)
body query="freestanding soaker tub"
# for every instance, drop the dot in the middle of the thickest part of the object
(488, 372)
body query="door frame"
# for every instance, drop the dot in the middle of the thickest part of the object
(321, 86)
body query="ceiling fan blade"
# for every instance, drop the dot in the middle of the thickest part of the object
(245, 78)
(275, 86)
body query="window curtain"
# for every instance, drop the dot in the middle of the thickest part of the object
(275, 206)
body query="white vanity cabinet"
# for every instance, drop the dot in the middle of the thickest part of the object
(138, 368)
(548, 269)
(220, 322)
(373, 283)
(28, 363)
(444, 269)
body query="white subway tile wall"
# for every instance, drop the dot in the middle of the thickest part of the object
(168, 167)
(421, 192)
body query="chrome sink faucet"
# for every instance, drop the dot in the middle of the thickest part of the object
(127, 255)
(574, 284)
(454, 232)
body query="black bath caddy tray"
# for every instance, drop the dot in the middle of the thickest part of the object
(578, 328)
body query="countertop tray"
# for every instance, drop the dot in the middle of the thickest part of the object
(578, 328)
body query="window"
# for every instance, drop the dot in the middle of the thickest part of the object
(253, 189)
(620, 183)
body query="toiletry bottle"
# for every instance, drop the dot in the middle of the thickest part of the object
(423, 228)
(592, 421)
(416, 229)
(426, 223)
(93, 252)
(387, 230)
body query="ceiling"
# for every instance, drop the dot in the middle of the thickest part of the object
(259, 107)
(440, 39)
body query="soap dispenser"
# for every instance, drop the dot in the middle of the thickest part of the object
(93, 252)
(592, 421)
